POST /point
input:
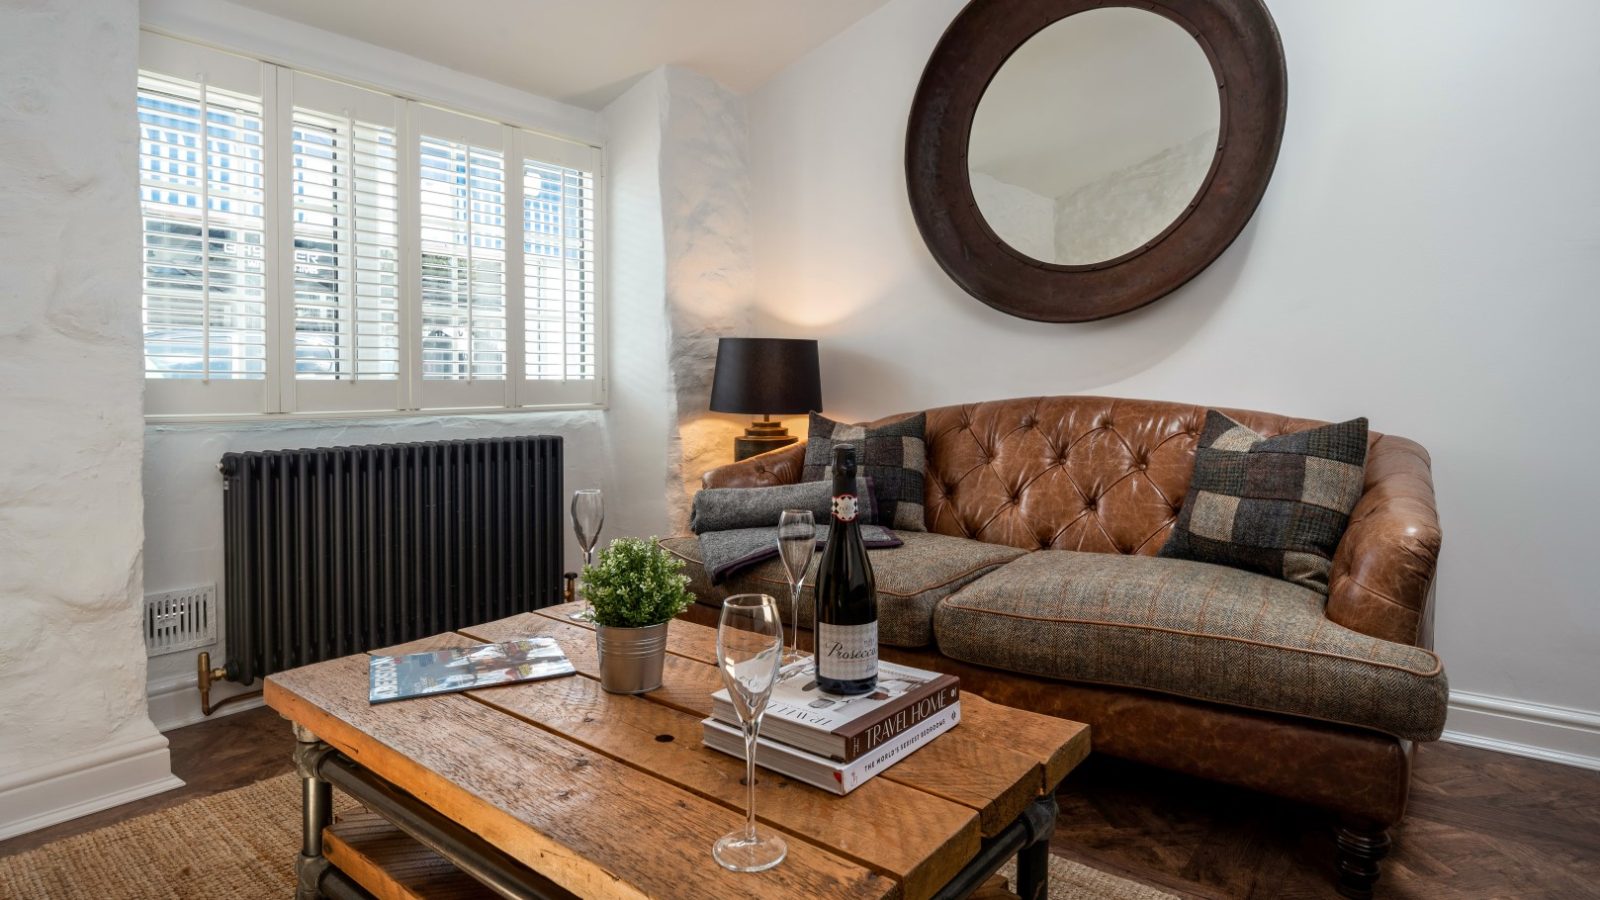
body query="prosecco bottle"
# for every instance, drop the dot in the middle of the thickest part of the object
(847, 597)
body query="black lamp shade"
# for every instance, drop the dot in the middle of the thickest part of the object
(761, 376)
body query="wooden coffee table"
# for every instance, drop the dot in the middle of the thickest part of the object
(557, 788)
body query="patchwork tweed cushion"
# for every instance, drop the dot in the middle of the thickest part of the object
(894, 456)
(1276, 505)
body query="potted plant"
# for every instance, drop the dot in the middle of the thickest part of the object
(634, 590)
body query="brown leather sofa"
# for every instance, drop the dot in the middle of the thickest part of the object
(994, 474)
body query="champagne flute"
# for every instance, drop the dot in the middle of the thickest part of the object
(588, 515)
(749, 651)
(797, 541)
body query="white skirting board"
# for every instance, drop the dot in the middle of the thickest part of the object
(66, 789)
(1552, 733)
(175, 702)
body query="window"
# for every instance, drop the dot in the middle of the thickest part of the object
(312, 246)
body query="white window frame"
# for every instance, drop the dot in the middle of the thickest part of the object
(281, 394)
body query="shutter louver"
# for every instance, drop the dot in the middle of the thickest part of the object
(463, 260)
(202, 194)
(559, 272)
(345, 208)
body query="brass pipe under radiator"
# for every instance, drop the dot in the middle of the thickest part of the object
(207, 674)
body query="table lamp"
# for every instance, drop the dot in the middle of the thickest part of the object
(765, 377)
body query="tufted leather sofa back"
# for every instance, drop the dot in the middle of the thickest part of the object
(1068, 473)
(1109, 476)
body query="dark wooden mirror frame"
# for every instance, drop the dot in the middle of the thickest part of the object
(1240, 39)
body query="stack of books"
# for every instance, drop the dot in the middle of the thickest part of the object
(837, 743)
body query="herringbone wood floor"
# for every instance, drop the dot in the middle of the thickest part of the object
(1481, 825)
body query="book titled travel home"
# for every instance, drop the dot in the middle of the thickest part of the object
(825, 773)
(844, 728)
(465, 668)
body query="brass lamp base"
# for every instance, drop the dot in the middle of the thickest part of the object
(760, 437)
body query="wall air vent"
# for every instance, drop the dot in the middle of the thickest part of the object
(180, 620)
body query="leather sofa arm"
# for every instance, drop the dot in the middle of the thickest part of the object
(781, 466)
(1383, 569)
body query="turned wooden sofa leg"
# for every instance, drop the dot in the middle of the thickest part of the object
(1360, 849)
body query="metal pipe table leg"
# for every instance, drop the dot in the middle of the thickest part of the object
(1033, 860)
(316, 814)
(1028, 839)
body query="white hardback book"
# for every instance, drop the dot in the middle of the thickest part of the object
(801, 715)
(820, 771)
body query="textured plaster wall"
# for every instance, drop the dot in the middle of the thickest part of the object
(1407, 263)
(72, 666)
(681, 278)
(1114, 214)
(710, 281)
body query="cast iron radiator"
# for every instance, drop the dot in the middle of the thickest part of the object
(340, 550)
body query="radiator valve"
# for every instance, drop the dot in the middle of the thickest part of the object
(208, 675)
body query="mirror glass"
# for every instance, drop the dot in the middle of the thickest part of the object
(1094, 136)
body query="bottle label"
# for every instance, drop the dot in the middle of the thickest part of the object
(847, 652)
(844, 507)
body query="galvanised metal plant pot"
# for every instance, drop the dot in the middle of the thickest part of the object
(631, 658)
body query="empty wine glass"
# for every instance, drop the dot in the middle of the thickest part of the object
(749, 650)
(588, 515)
(797, 542)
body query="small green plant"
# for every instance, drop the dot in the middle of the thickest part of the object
(635, 584)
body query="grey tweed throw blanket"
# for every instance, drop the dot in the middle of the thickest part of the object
(738, 527)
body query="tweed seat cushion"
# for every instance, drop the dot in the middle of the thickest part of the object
(1194, 630)
(912, 579)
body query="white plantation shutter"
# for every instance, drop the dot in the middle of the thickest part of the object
(461, 174)
(561, 291)
(203, 195)
(344, 227)
(315, 247)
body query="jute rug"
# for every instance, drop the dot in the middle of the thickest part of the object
(240, 845)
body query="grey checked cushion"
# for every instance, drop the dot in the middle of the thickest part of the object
(721, 509)
(1275, 505)
(894, 456)
(911, 579)
(1195, 630)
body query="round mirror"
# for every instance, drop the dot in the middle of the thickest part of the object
(1095, 137)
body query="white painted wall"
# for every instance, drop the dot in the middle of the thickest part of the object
(642, 410)
(1428, 255)
(75, 737)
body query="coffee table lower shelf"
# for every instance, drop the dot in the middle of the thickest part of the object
(390, 865)
(402, 849)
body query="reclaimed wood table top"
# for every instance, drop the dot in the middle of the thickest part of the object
(613, 795)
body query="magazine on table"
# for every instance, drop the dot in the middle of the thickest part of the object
(845, 728)
(465, 668)
(819, 771)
